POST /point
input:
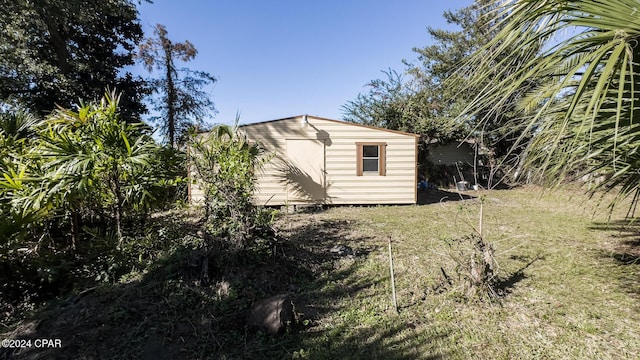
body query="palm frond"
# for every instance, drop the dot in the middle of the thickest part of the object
(582, 112)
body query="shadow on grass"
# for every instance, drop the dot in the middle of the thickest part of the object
(169, 312)
(624, 250)
(327, 298)
(505, 286)
(434, 196)
(626, 238)
(628, 230)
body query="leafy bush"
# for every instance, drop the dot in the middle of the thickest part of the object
(74, 189)
(98, 163)
(17, 132)
(224, 164)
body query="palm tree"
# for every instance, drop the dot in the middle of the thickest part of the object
(93, 158)
(17, 132)
(225, 164)
(582, 116)
(18, 124)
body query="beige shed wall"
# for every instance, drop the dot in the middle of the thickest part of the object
(342, 185)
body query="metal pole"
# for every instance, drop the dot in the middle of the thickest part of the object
(393, 281)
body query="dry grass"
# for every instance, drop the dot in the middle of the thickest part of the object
(570, 279)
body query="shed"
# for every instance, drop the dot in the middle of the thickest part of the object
(331, 162)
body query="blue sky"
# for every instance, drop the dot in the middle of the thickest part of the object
(280, 58)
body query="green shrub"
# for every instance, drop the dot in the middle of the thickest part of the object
(224, 164)
(75, 192)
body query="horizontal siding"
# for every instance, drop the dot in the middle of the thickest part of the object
(367, 180)
(351, 142)
(334, 198)
(343, 191)
(270, 188)
(340, 163)
(270, 199)
(402, 155)
(342, 186)
(380, 199)
(392, 170)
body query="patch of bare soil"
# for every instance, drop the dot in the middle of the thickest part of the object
(171, 312)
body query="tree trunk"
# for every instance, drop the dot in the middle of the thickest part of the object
(115, 188)
(75, 233)
(56, 40)
(119, 216)
(171, 96)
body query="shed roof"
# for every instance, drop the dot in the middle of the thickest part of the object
(336, 121)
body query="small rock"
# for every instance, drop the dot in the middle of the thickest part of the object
(272, 314)
(341, 250)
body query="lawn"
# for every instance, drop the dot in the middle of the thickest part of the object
(569, 289)
(571, 281)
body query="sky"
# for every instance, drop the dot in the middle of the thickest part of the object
(280, 58)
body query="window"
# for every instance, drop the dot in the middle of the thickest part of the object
(371, 158)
